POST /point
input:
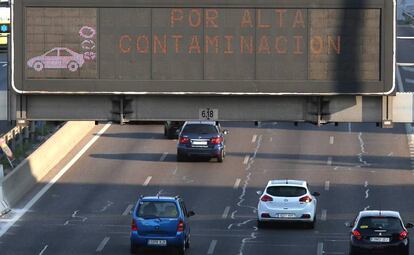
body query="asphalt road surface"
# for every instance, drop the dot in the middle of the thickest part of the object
(354, 166)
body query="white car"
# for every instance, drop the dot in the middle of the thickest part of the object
(287, 200)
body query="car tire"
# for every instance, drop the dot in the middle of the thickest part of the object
(405, 251)
(180, 157)
(261, 224)
(187, 244)
(181, 250)
(134, 249)
(73, 66)
(220, 158)
(38, 66)
(353, 251)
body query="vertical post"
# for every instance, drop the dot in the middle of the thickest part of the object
(4, 208)
(387, 112)
(121, 111)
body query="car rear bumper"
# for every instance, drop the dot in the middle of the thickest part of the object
(397, 247)
(142, 240)
(304, 215)
(205, 152)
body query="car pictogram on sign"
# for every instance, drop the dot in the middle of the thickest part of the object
(57, 58)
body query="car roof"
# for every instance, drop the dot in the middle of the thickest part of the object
(287, 183)
(159, 198)
(373, 213)
(200, 122)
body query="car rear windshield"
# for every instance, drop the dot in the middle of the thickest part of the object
(199, 129)
(386, 223)
(157, 209)
(286, 191)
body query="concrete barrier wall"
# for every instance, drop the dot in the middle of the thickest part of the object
(30, 172)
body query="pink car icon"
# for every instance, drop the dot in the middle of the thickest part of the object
(57, 58)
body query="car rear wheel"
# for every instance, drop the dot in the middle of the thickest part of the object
(353, 251)
(73, 66)
(134, 249)
(261, 224)
(180, 157)
(220, 157)
(181, 250)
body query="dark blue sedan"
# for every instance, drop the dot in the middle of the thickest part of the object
(202, 139)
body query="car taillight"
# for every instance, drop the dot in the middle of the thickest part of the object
(134, 226)
(266, 198)
(180, 227)
(356, 234)
(184, 140)
(305, 199)
(216, 140)
(403, 235)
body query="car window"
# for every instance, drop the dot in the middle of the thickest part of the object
(183, 208)
(53, 53)
(199, 129)
(64, 53)
(286, 191)
(156, 209)
(388, 223)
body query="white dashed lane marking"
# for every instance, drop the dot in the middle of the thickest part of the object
(246, 159)
(319, 250)
(327, 184)
(163, 156)
(331, 140)
(102, 245)
(254, 138)
(324, 214)
(226, 212)
(236, 183)
(127, 210)
(212, 247)
(147, 181)
(43, 250)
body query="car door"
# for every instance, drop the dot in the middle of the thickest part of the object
(186, 218)
(51, 59)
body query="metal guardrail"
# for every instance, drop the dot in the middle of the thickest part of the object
(13, 133)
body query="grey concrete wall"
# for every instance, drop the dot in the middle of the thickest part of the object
(31, 171)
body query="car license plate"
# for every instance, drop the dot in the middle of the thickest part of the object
(157, 242)
(286, 215)
(200, 143)
(380, 239)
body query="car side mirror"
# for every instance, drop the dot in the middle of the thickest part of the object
(409, 225)
(190, 213)
(259, 192)
(316, 194)
(348, 224)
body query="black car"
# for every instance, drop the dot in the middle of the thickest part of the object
(202, 139)
(171, 128)
(379, 231)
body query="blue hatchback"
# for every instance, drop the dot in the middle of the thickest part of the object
(160, 222)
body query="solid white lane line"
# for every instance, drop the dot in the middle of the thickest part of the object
(254, 138)
(237, 183)
(331, 140)
(43, 250)
(163, 156)
(127, 210)
(246, 159)
(101, 246)
(226, 212)
(36, 198)
(324, 214)
(327, 184)
(212, 247)
(329, 162)
(319, 250)
(147, 181)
